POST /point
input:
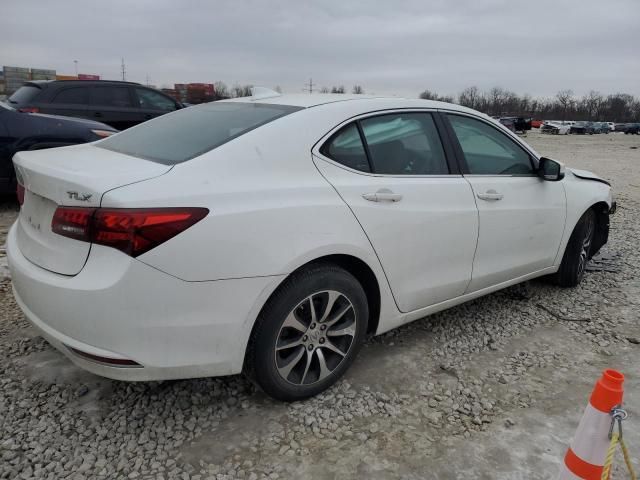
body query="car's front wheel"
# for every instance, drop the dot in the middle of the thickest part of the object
(308, 333)
(578, 251)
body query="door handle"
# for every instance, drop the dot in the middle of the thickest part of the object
(97, 114)
(383, 195)
(490, 196)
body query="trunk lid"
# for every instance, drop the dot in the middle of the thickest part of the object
(69, 176)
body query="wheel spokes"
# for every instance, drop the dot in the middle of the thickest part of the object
(348, 330)
(330, 346)
(292, 322)
(338, 316)
(288, 345)
(324, 370)
(331, 300)
(285, 370)
(306, 367)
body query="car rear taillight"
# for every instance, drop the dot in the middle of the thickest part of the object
(73, 222)
(133, 231)
(20, 193)
(29, 109)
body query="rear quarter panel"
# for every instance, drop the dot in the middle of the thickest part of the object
(270, 209)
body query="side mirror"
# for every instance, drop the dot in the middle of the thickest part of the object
(550, 170)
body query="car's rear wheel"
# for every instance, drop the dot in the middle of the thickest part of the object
(308, 334)
(578, 251)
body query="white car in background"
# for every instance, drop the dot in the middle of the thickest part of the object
(271, 234)
(556, 128)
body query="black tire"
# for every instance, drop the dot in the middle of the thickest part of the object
(269, 357)
(578, 251)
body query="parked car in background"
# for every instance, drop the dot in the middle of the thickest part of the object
(612, 126)
(509, 123)
(25, 131)
(520, 124)
(536, 123)
(119, 104)
(556, 128)
(601, 127)
(620, 127)
(271, 234)
(582, 128)
(632, 129)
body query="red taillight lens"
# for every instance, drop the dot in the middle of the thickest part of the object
(73, 222)
(133, 231)
(20, 193)
(29, 109)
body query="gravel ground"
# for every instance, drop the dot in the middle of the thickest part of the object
(491, 389)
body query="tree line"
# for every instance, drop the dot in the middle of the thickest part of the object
(222, 91)
(565, 105)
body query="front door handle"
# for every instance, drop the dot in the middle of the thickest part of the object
(490, 196)
(383, 195)
(97, 114)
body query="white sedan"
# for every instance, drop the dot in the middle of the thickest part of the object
(271, 234)
(556, 128)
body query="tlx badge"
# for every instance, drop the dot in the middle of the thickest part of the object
(81, 197)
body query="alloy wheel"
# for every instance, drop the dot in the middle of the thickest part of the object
(586, 245)
(315, 337)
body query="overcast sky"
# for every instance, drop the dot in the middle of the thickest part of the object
(389, 47)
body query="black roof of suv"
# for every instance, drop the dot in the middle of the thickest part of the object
(116, 103)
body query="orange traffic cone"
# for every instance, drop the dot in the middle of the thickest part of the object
(586, 456)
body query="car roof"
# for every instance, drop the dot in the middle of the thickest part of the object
(364, 101)
(81, 82)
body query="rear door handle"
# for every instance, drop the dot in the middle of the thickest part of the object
(383, 195)
(490, 196)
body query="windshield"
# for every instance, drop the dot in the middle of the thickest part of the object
(24, 94)
(190, 132)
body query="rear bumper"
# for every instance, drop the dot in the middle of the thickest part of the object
(120, 308)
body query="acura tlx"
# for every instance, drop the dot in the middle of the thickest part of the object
(271, 234)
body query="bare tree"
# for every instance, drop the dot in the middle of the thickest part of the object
(357, 89)
(565, 99)
(339, 89)
(241, 90)
(221, 89)
(324, 90)
(497, 97)
(278, 89)
(469, 97)
(592, 102)
(429, 95)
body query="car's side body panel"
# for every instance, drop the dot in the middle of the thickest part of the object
(520, 233)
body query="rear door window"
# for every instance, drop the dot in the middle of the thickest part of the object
(190, 132)
(77, 95)
(346, 148)
(405, 144)
(108, 96)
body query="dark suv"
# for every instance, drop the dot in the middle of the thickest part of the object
(119, 104)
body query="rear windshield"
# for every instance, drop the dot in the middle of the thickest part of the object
(187, 133)
(24, 94)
